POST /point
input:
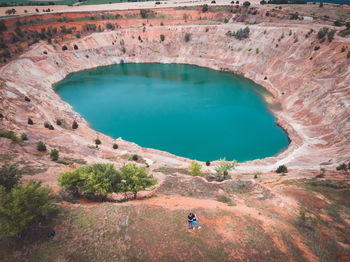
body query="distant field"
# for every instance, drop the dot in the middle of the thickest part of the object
(64, 2)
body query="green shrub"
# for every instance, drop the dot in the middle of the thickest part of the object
(75, 125)
(317, 48)
(64, 48)
(207, 163)
(110, 26)
(225, 199)
(54, 154)
(223, 168)
(23, 205)
(342, 49)
(338, 22)
(98, 141)
(27, 99)
(136, 178)
(246, 4)
(282, 169)
(342, 166)
(97, 180)
(144, 13)
(322, 32)
(162, 37)
(225, 20)
(115, 146)
(330, 35)
(40, 146)
(206, 29)
(241, 33)
(10, 135)
(30, 121)
(58, 122)
(9, 176)
(75, 47)
(195, 169)
(187, 37)
(135, 157)
(24, 136)
(205, 8)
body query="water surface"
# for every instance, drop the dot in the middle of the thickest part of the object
(186, 110)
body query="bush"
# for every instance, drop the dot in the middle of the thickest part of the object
(24, 136)
(223, 168)
(135, 157)
(110, 26)
(23, 205)
(338, 23)
(40, 146)
(342, 49)
(97, 180)
(282, 169)
(144, 13)
(317, 48)
(322, 32)
(207, 163)
(27, 99)
(241, 33)
(58, 122)
(187, 37)
(162, 37)
(10, 135)
(64, 48)
(205, 8)
(76, 47)
(115, 146)
(225, 199)
(75, 125)
(225, 20)
(330, 35)
(136, 179)
(9, 176)
(343, 167)
(54, 154)
(30, 121)
(195, 169)
(98, 141)
(246, 4)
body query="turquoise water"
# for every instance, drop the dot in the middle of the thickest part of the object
(186, 110)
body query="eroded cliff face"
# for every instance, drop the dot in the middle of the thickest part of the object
(313, 87)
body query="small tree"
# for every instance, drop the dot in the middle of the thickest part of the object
(205, 8)
(282, 169)
(115, 146)
(24, 136)
(22, 205)
(246, 4)
(30, 121)
(98, 142)
(9, 176)
(40, 146)
(207, 163)
(64, 48)
(187, 37)
(54, 154)
(75, 125)
(97, 180)
(76, 47)
(58, 122)
(136, 178)
(144, 13)
(195, 169)
(224, 167)
(162, 37)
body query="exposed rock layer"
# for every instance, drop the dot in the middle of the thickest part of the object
(314, 94)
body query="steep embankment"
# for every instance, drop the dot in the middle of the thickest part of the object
(312, 87)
